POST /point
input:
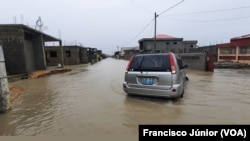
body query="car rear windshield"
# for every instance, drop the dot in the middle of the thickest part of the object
(150, 63)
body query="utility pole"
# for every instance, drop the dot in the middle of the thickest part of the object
(155, 16)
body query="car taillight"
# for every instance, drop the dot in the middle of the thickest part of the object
(129, 63)
(172, 64)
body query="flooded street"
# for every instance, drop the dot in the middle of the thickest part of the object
(90, 100)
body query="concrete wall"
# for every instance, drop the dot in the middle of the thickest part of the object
(4, 89)
(29, 55)
(84, 55)
(53, 56)
(23, 50)
(129, 53)
(173, 46)
(210, 49)
(92, 55)
(176, 45)
(195, 61)
(71, 55)
(13, 47)
(40, 60)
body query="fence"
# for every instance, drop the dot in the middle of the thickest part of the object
(194, 60)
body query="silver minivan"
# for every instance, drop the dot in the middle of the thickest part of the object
(156, 74)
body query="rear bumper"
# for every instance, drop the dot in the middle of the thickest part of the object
(154, 92)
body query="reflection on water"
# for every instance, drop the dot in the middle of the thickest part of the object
(90, 100)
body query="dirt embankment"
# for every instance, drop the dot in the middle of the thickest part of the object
(43, 73)
(17, 92)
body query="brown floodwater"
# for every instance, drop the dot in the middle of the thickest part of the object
(90, 100)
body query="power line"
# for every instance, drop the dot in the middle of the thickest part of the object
(209, 11)
(144, 9)
(154, 19)
(171, 7)
(214, 20)
(151, 30)
(140, 32)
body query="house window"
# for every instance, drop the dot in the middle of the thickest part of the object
(191, 46)
(245, 50)
(248, 50)
(67, 53)
(230, 50)
(53, 54)
(175, 43)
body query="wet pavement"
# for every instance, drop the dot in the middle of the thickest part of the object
(90, 100)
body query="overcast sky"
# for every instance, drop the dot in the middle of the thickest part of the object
(111, 24)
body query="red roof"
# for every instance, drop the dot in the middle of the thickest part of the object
(241, 37)
(164, 36)
(237, 41)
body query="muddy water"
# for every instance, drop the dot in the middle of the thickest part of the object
(90, 101)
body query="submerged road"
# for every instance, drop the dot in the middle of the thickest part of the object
(90, 100)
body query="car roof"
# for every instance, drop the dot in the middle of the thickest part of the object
(146, 54)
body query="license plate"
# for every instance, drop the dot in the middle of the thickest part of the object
(147, 81)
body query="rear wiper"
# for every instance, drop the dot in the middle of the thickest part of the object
(140, 64)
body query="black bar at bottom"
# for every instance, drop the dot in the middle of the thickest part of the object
(194, 132)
